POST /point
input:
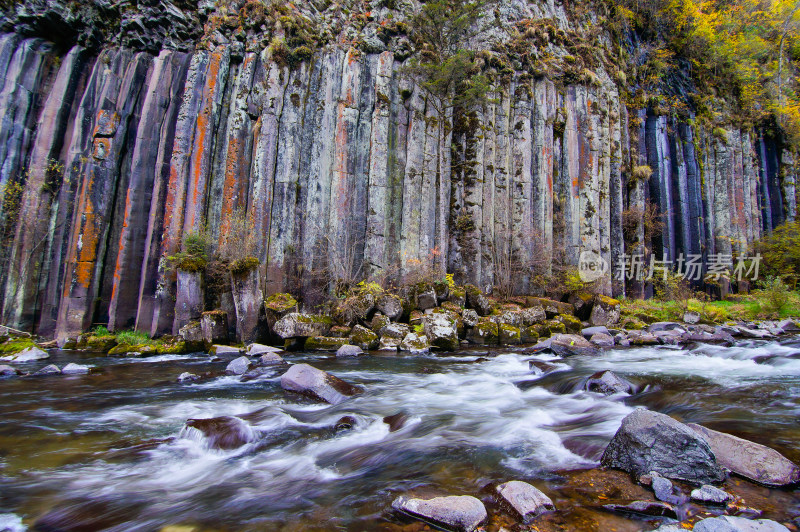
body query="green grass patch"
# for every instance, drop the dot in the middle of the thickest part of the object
(15, 345)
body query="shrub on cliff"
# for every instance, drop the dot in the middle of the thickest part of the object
(780, 253)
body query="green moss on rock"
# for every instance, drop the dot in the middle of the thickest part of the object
(325, 343)
(509, 335)
(571, 323)
(555, 327)
(280, 303)
(15, 345)
(364, 338)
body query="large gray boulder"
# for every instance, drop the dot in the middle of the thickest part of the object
(565, 345)
(648, 441)
(525, 500)
(751, 460)
(416, 344)
(317, 384)
(606, 311)
(75, 369)
(710, 495)
(50, 369)
(441, 331)
(254, 350)
(349, 351)
(238, 366)
(390, 305)
(459, 513)
(28, 354)
(296, 325)
(727, 523)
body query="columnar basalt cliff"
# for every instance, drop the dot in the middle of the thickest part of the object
(336, 160)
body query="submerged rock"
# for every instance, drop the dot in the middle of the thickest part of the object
(75, 369)
(224, 432)
(608, 383)
(751, 460)
(525, 500)
(317, 384)
(50, 369)
(649, 508)
(460, 513)
(396, 421)
(648, 441)
(188, 377)
(728, 523)
(7, 371)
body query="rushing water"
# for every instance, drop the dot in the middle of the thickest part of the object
(109, 449)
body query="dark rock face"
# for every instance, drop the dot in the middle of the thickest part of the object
(459, 513)
(317, 384)
(396, 421)
(168, 130)
(649, 441)
(748, 459)
(648, 508)
(224, 432)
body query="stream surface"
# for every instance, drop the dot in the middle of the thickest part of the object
(108, 449)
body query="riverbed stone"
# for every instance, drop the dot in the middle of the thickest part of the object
(50, 369)
(565, 345)
(748, 459)
(526, 500)
(648, 441)
(710, 494)
(270, 359)
(665, 326)
(416, 344)
(7, 371)
(509, 335)
(349, 351)
(602, 340)
(238, 366)
(588, 332)
(325, 343)
(75, 369)
(221, 350)
(188, 377)
(484, 332)
(728, 523)
(461, 513)
(254, 350)
(648, 508)
(317, 384)
(608, 383)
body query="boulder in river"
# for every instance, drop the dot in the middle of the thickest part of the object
(396, 421)
(254, 350)
(606, 311)
(661, 326)
(349, 351)
(188, 377)
(416, 344)
(75, 369)
(525, 500)
(602, 340)
(588, 332)
(750, 460)
(390, 305)
(710, 495)
(295, 325)
(224, 432)
(7, 371)
(317, 384)
(565, 345)
(270, 359)
(50, 369)
(460, 513)
(441, 331)
(224, 350)
(648, 441)
(238, 366)
(608, 383)
(727, 523)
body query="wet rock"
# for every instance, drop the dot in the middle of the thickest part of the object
(296, 325)
(396, 421)
(526, 500)
(542, 368)
(484, 332)
(660, 326)
(192, 332)
(711, 495)
(728, 523)
(608, 383)
(509, 335)
(602, 340)
(7, 371)
(238, 366)
(648, 508)
(221, 350)
(416, 344)
(214, 325)
(256, 373)
(605, 311)
(663, 489)
(224, 432)
(748, 459)
(188, 377)
(390, 305)
(364, 338)
(441, 331)
(789, 326)
(389, 344)
(317, 384)
(642, 338)
(759, 334)
(270, 359)
(50, 369)
(75, 369)
(461, 513)
(426, 300)
(349, 351)
(28, 354)
(588, 332)
(345, 423)
(565, 345)
(648, 441)
(716, 338)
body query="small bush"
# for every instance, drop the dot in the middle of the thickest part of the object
(775, 293)
(641, 173)
(133, 338)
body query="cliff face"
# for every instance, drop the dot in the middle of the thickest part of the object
(339, 161)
